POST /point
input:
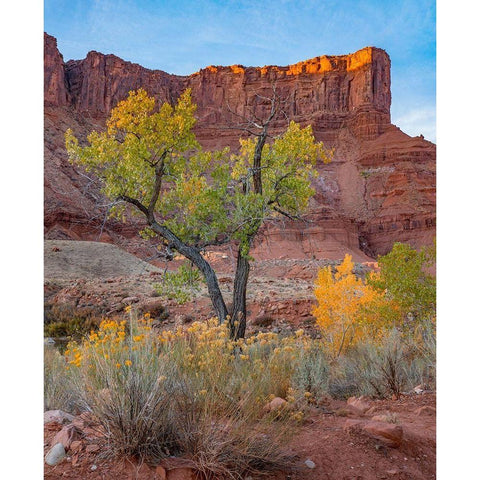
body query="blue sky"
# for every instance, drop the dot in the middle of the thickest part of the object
(183, 36)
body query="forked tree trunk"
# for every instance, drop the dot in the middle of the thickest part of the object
(197, 259)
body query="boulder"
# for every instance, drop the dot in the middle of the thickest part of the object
(55, 455)
(388, 434)
(57, 416)
(361, 404)
(66, 436)
(380, 418)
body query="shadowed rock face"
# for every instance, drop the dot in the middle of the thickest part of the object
(380, 187)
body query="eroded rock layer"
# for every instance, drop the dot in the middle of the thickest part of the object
(380, 187)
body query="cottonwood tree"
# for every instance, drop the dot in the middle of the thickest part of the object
(149, 159)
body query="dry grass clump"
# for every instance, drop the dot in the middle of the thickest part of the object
(57, 391)
(193, 392)
(381, 369)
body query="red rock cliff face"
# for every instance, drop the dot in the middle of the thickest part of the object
(380, 188)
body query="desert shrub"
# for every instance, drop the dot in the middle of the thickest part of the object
(180, 285)
(381, 369)
(312, 372)
(65, 320)
(57, 389)
(405, 278)
(194, 392)
(348, 310)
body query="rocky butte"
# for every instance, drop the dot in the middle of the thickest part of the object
(380, 187)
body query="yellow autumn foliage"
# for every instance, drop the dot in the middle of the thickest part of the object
(348, 310)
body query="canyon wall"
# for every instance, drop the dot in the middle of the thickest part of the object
(380, 187)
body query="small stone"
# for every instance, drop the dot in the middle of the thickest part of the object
(93, 468)
(92, 448)
(76, 446)
(58, 416)
(130, 300)
(359, 403)
(67, 435)
(309, 463)
(380, 418)
(55, 455)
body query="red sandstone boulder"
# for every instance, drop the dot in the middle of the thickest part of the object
(388, 434)
(361, 404)
(66, 436)
(391, 435)
(57, 416)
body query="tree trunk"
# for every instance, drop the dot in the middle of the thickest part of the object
(238, 320)
(197, 259)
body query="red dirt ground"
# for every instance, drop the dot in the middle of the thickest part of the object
(337, 455)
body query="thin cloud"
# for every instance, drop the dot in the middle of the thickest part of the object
(419, 121)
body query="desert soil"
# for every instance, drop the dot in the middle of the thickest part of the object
(336, 453)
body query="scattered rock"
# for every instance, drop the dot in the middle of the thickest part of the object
(58, 416)
(419, 389)
(373, 410)
(92, 448)
(359, 403)
(67, 435)
(93, 468)
(426, 411)
(55, 455)
(309, 463)
(130, 300)
(48, 341)
(390, 435)
(76, 446)
(380, 418)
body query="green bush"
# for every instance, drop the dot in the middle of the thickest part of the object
(180, 285)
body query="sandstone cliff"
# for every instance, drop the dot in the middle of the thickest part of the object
(380, 188)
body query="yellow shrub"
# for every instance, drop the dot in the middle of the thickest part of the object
(348, 309)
